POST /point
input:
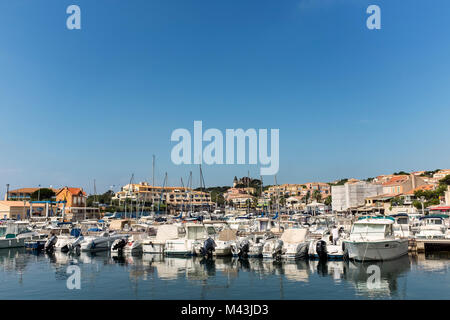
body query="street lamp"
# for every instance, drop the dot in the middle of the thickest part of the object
(39, 192)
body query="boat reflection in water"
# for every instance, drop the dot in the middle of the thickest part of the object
(155, 276)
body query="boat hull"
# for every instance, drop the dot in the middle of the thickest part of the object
(376, 250)
(153, 248)
(12, 243)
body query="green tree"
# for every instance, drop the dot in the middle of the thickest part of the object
(317, 195)
(445, 181)
(328, 201)
(282, 200)
(397, 201)
(400, 173)
(339, 183)
(307, 196)
(43, 194)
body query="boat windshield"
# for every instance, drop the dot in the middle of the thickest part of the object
(434, 221)
(368, 228)
(196, 232)
(402, 220)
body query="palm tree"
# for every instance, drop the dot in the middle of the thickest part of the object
(307, 196)
(317, 195)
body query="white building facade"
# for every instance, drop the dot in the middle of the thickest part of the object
(352, 195)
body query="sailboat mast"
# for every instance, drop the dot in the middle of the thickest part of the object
(261, 194)
(278, 202)
(190, 189)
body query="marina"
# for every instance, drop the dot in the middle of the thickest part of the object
(27, 275)
(289, 256)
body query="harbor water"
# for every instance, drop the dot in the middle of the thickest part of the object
(28, 275)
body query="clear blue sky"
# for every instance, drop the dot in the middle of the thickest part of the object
(97, 103)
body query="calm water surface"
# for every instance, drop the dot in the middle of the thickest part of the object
(25, 275)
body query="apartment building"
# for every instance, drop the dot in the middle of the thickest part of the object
(288, 190)
(353, 194)
(441, 174)
(402, 184)
(155, 194)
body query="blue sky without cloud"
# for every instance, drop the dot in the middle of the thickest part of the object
(97, 103)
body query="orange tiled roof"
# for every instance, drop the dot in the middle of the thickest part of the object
(24, 190)
(423, 187)
(73, 191)
(396, 180)
(29, 190)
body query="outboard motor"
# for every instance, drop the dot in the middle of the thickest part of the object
(118, 245)
(75, 246)
(208, 247)
(345, 251)
(244, 248)
(278, 250)
(321, 249)
(50, 244)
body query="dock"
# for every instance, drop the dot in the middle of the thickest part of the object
(429, 245)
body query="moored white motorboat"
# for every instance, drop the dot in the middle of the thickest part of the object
(101, 242)
(134, 245)
(194, 237)
(373, 239)
(67, 242)
(295, 245)
(14, 234)
(431, 227)
(163, 233)
(401, 226)
(328, 247)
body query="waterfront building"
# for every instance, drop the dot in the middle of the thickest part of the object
(288, 190)
(295, 203)
(402, 183)
(175, 196)
(74, 197)
(231, 192)
(19, 210)
(22, 194)
(74, 208)
(353, 194)
(184, 197)
(241, 200)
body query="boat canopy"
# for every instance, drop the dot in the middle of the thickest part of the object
(168, 232)
(434, 216)
(294, 235)
(375, 219)
(401, 214)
